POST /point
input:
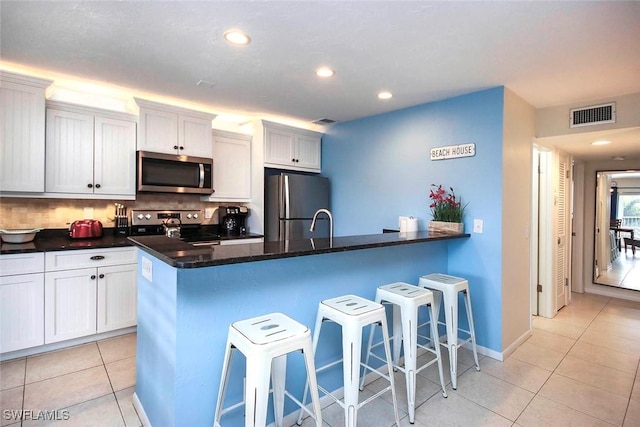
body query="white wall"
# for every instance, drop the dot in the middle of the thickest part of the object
(554, 121)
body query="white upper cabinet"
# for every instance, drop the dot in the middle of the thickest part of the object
(90, 152)
(22, 115)
(174, 130)
(231, 167)
(291, 148)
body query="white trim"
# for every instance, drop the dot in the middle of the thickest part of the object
(142, 415)
(513, 347)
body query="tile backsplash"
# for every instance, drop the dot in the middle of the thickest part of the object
(24, 213)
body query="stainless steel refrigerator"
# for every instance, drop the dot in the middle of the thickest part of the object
(290, 202)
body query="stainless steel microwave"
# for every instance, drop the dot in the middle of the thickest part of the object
(169, 173)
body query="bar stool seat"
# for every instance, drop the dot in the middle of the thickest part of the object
(406, 301)
(446, 288)
(353, 313)
(265, 341)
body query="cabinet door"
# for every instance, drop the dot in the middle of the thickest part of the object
(69, 151)
(194, 136)
(21, 138)
(158, 131)
(21, 311)
(117, 297)
(231, 167)
(69, 304)
(279, 146)
(308, 152)
(115, 157)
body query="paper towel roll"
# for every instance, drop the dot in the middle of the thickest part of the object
(408, 224)
(402, 222)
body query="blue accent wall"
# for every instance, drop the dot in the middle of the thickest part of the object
(380, 169)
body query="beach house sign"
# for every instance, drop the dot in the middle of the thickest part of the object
(453, 151)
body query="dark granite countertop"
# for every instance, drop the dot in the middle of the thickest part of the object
(183, 255)
(50, 240)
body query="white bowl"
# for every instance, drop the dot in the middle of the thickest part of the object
(18, 236)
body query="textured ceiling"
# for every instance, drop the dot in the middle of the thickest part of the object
(549, 53)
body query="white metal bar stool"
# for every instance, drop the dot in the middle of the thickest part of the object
(406, 301)
(447, 288)
(353, 313)
(265, 341)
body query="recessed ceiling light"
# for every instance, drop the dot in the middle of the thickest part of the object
(385, 95)
(237, 37)
(601, 142)
(617, 158)
(324, 72)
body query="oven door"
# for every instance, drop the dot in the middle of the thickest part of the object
(168, 173)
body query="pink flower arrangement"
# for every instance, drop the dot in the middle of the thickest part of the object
(444, 206)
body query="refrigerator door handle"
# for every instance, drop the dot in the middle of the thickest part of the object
(286, 197)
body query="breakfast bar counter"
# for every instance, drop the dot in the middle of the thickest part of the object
(188, 296)
(180, 254)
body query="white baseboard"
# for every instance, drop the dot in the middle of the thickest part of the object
(140, 410)
(64, 344)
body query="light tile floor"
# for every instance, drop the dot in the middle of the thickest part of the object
(88, 385)
(624, 272)
(578, 369)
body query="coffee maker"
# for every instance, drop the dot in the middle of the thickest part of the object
(232, 220)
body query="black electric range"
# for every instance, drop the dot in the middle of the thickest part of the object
(155, 222)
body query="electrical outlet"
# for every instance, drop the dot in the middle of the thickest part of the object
(147, 269)
(88, 213)
(477, 225)
(208, 213)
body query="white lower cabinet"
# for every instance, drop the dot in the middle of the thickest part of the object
(21, 311)
(117, 297)
(84, 301)
(56, 296)
(21, 301)
(70, 304)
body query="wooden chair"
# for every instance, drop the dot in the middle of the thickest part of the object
(631, 242)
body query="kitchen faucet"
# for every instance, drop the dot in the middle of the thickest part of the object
(313, 223)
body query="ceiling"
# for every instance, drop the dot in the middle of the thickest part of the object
(549, 53)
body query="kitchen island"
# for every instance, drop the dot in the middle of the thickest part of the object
(188, 296)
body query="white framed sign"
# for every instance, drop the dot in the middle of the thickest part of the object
(453, 151)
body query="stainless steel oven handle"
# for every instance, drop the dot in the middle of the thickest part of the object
(201, 175)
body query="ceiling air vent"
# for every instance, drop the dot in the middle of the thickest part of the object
(324, 122)
(594, 115)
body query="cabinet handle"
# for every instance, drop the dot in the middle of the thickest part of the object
(293, 160)
(101, 276)
(297, 160)
(175, 147)
(97, 257)
(93, 277)
(181, 147)
(97, 185)
(90, 185)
